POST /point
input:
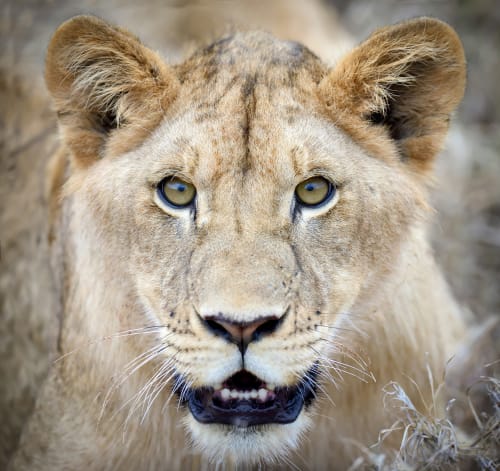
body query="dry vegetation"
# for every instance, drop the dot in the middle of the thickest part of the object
(434, 442)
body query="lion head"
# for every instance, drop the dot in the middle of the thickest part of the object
(240, 205)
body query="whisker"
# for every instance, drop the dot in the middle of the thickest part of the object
(349, 320)
(182, 395)
(138, 358)
(125, 333)
(336, 327)
(163, 380)
(340, 366)
(342, 349)
(327, 375)
(138, 400)
(318, 385)
(144, 394)
(135, 400)
(133, 366)
(175, 387)
(166, 376)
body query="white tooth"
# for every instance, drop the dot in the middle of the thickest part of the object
(254, 394)
(234, 394)
(271, 387)
(262, 393)
(225, 394)
(218, 386)
(247, 395)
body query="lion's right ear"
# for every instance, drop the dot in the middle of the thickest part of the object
(105, 83)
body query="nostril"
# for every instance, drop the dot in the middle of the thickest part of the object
(266, 328)
(217, 329)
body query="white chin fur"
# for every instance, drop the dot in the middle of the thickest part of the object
(227, 445)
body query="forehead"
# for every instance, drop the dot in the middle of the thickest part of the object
(238, 100)
(248, 58)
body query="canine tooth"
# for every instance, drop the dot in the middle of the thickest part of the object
(218, 386)
(254, 394)
(262, 393)
(271, 387)
(225, 394)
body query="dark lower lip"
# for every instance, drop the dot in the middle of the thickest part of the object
(283, 409)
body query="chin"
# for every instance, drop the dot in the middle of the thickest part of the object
(256, 444)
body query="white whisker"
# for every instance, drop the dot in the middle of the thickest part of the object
(125, 333)
(129, 370)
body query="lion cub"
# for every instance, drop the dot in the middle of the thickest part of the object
(242, 246)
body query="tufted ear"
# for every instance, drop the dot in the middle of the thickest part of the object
(399, 86)
(108, 89)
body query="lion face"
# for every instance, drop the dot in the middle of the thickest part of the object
(246, 253)
(246, 226)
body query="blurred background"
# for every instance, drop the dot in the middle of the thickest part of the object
(466, 228)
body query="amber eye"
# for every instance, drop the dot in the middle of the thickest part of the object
(176, 192)
(314, 191)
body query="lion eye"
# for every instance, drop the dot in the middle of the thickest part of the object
(176, 192)
(314, 191)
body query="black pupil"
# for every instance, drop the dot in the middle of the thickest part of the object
(310, 187)
(180, 187)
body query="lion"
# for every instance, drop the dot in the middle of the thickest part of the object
(243, 237)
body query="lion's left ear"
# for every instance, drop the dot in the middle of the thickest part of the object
(400, 85)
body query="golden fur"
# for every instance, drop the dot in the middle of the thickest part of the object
(245, 119)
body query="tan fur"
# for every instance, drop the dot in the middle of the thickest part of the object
(245, 120)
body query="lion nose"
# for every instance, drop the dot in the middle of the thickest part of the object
(242, 333)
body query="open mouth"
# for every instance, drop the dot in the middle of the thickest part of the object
(245, 400)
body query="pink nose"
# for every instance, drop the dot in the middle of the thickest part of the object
(242, 333)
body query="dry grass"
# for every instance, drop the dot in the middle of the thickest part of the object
(432, 443)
